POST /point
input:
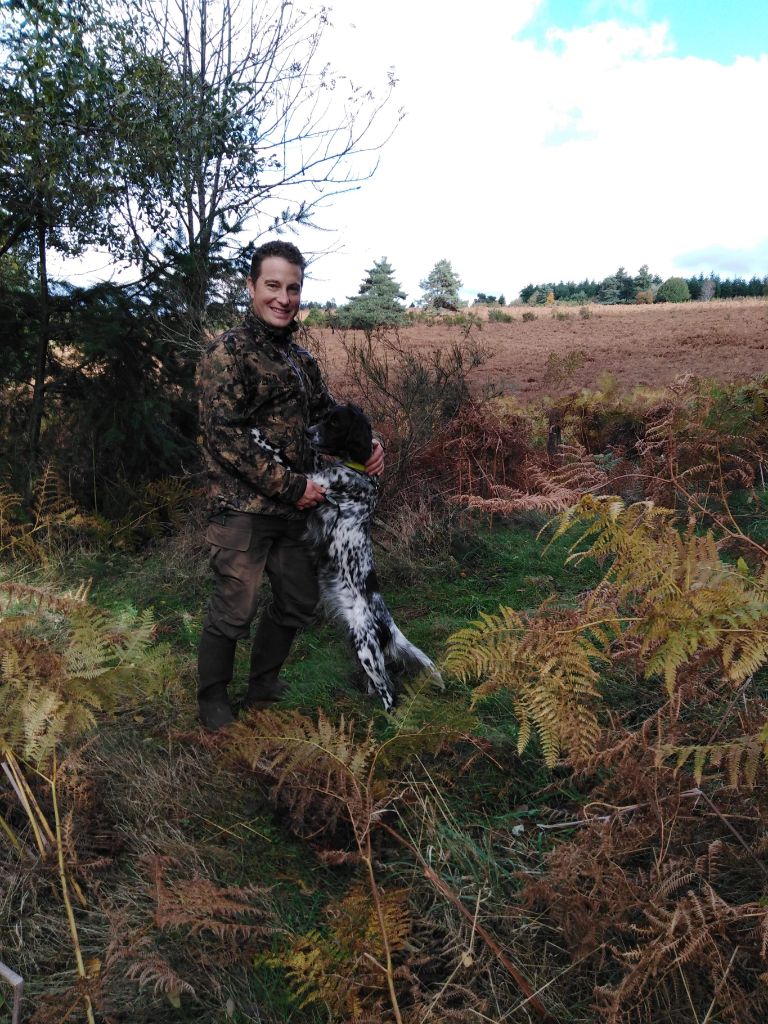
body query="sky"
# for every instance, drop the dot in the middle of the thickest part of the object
(548, 140)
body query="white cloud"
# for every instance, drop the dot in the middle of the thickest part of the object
(522, 161)
(527, 161)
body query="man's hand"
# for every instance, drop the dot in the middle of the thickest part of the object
(375, 465)
(312, 495)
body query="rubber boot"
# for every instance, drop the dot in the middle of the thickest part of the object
(270, 648)
(215, 665)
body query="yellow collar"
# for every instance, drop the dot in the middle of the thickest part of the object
(356, 465)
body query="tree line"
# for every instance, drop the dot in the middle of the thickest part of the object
(622, 287)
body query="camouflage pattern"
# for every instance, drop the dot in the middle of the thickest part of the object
(256, 376)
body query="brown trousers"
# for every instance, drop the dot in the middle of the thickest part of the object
(243, 547)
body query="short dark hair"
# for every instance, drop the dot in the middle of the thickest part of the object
(285, 250)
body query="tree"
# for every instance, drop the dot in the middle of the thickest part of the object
(644, 279)
(674, 289)
(57, 146)
(441, 287)
(378, 302)
(236, 123)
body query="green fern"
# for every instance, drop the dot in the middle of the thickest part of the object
(740, 758)
(63, 661)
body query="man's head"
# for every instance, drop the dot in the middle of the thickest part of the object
(274, 284)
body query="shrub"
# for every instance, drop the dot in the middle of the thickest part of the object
(498, 316)
(529, 315)
(316, 317)
(645, 297)
(585, 312)
(674, 289)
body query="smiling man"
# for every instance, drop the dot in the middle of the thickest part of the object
(259, 391)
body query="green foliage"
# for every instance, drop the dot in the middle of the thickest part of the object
(56, 96)
(498, 316)
(674, 289)
(316, 317)
(378, 303)
(62, 661)
(441, 287)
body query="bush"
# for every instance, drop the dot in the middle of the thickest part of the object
(645, 297)
(498, 316)
(674, 289)
(316, 317)
(529, 315)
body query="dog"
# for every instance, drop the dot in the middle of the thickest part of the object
(339, 531)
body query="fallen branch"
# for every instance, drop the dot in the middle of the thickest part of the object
(17, 984)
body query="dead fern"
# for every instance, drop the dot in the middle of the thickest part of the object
(340, 966)
(50, 524)
(739, 758)
(196, 905)
(684, 602)
(546, 661)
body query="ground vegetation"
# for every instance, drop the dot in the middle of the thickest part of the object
(569, 830)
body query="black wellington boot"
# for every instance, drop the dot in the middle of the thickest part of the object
(270, 648)
(215, 664)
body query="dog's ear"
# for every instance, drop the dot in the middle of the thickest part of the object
(359, 442)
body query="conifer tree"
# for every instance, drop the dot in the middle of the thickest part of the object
(441, 287)
(378, 303)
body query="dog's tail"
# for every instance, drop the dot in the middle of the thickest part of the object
(413, 660)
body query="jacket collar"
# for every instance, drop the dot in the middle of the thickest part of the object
(280, 335)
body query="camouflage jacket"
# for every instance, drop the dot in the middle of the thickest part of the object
(250, 377)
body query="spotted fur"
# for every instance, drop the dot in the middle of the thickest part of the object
(339, 530)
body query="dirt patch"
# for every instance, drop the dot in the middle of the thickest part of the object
(637, 345)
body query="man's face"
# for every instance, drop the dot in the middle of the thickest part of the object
(276, 294)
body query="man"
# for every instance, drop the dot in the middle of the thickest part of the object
(256, 378)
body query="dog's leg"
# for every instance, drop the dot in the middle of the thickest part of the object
(371, 658)
(398, 647)
(364, 632)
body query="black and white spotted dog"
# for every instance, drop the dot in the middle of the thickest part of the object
(339, 530)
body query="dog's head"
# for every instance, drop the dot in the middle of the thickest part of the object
(344, 431)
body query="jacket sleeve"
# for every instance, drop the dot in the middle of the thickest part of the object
(224, 408)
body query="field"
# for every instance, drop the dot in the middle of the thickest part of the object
(572, 829)
(637, 345)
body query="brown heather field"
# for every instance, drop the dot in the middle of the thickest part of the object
(637, 345)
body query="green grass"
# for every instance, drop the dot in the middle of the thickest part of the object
(231, 825)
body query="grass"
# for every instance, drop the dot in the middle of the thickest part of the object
(475, 810)
(158, 792)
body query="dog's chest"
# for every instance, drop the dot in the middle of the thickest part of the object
(341, 525)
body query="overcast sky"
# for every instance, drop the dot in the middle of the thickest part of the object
(555, 139)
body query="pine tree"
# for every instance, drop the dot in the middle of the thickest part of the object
(441, 287)
(378, 302)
